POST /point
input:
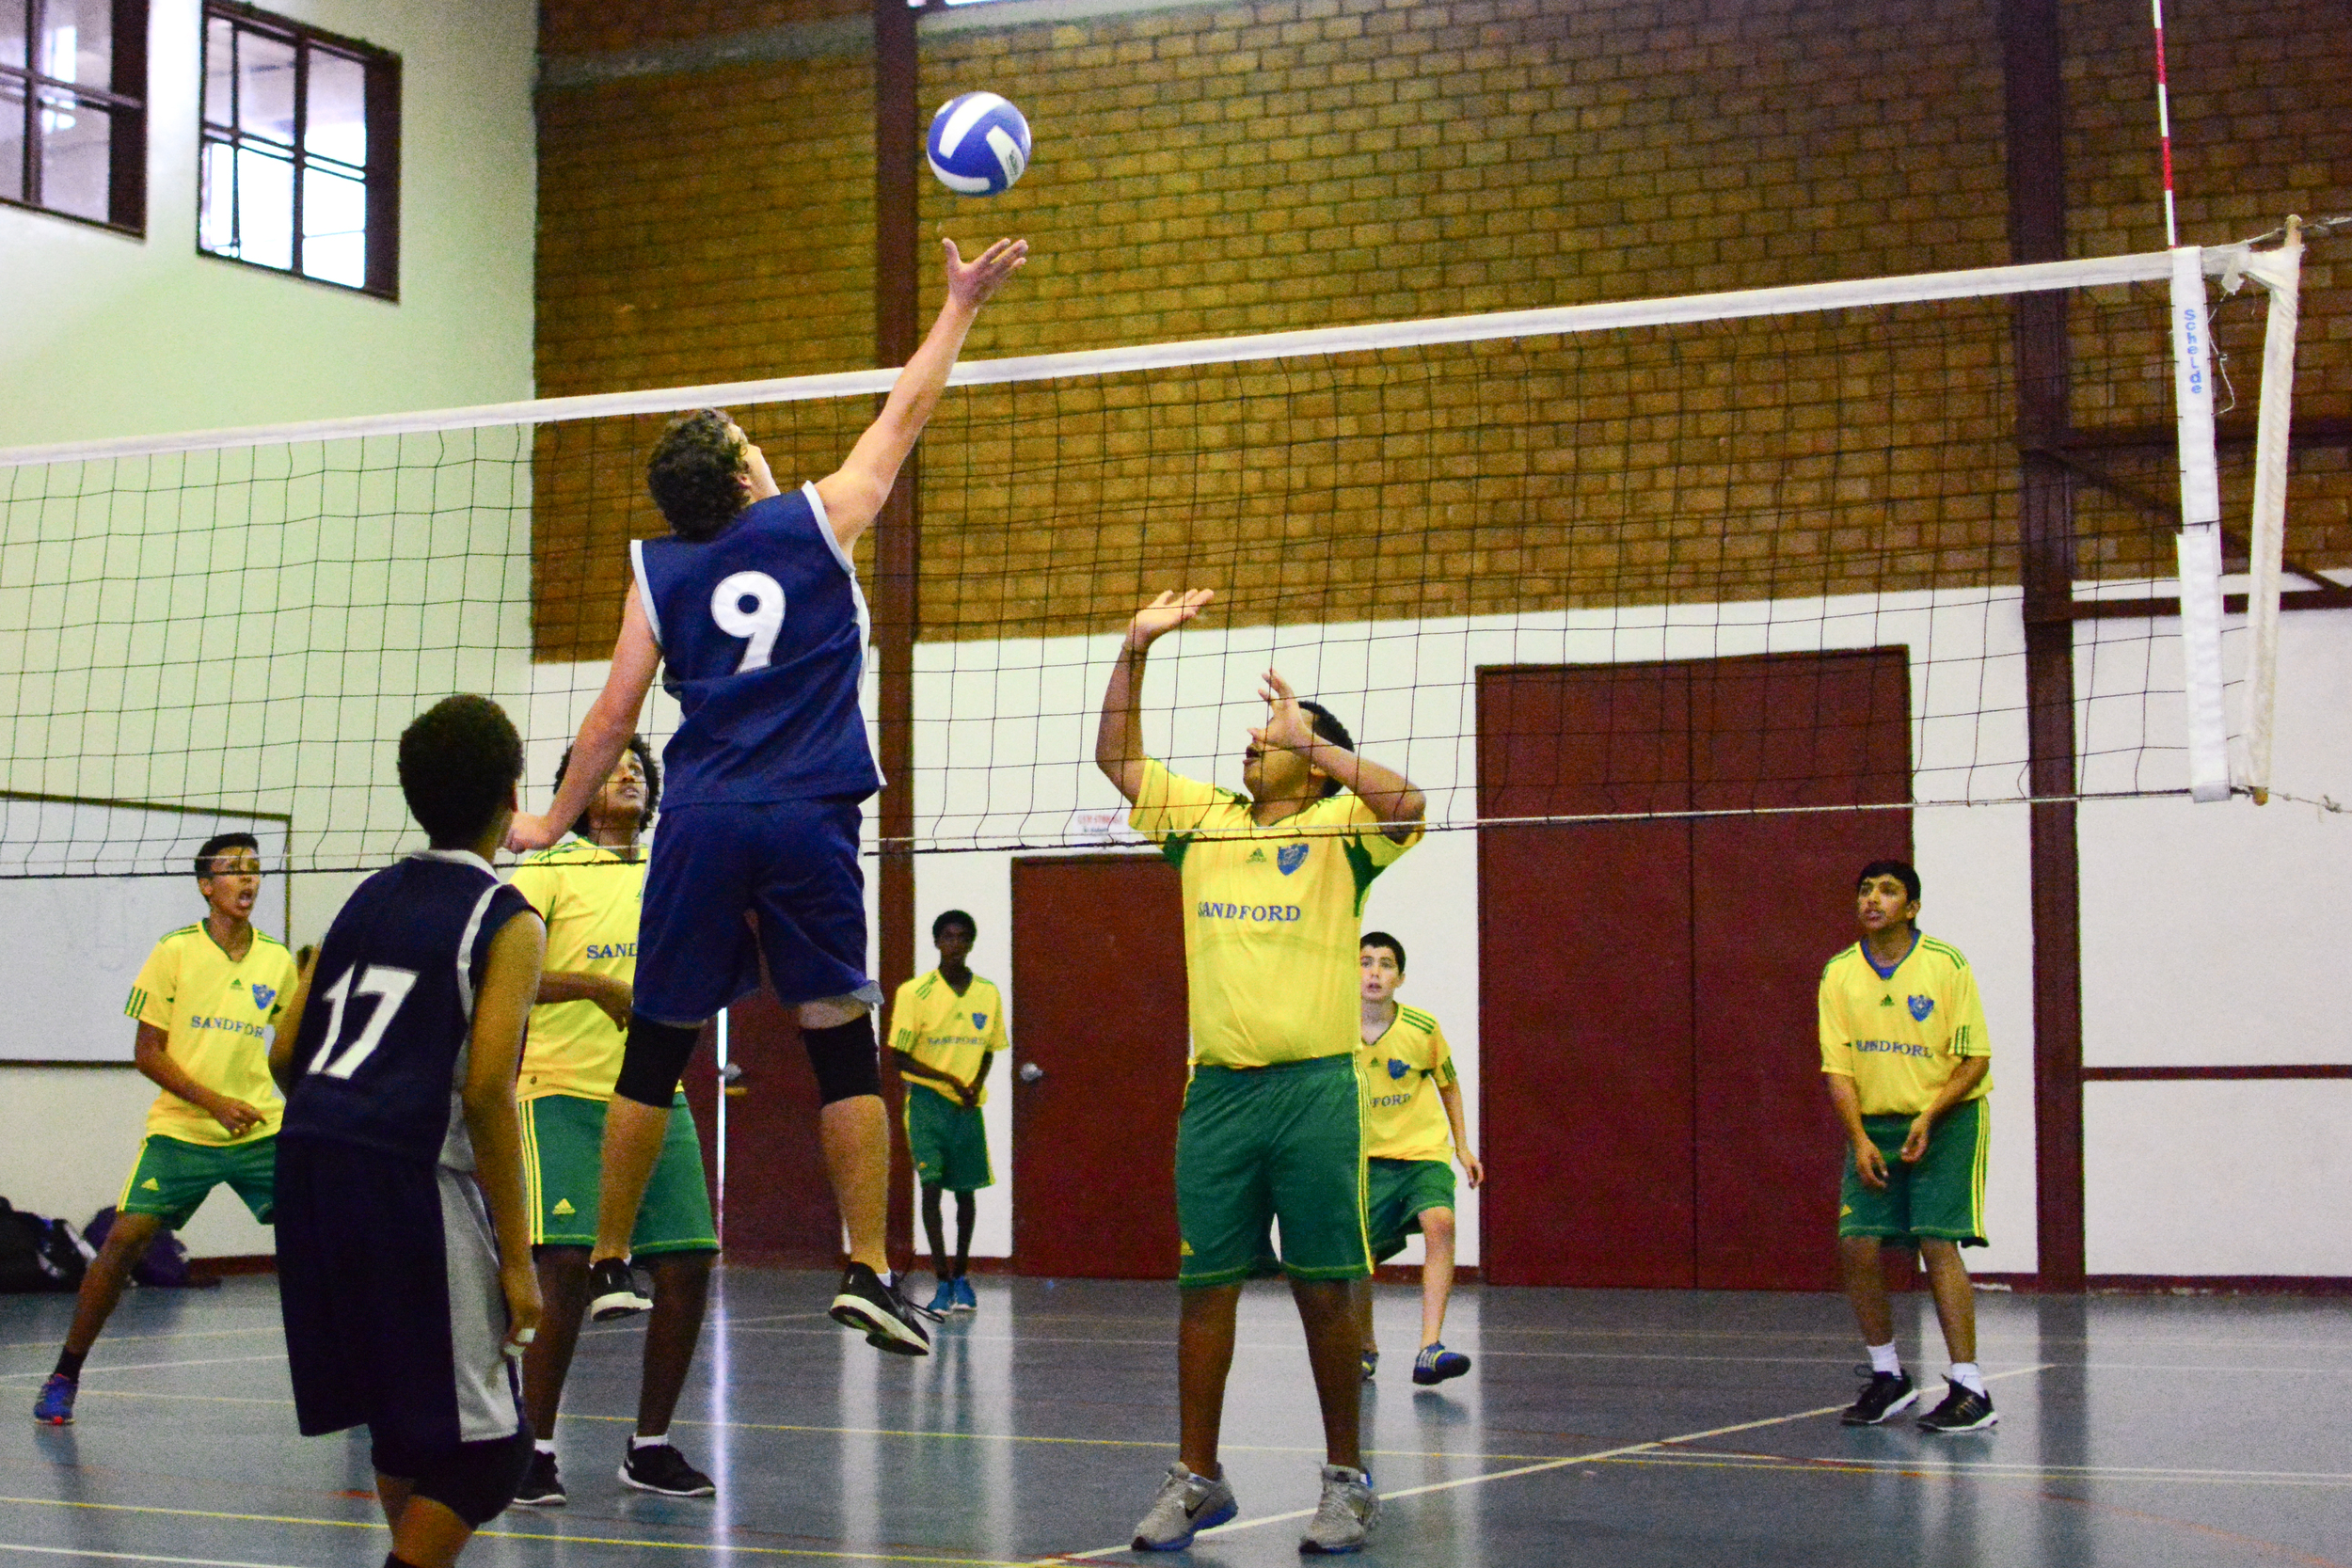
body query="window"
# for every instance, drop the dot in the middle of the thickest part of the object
(72, 108)
(300, 170)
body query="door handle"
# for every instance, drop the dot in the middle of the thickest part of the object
(1029, 1072)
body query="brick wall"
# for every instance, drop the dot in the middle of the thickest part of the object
(1219, 169)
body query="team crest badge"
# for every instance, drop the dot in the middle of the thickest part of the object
(264, 995)
(1921, 1007)
(1291, 856)
(980, 1020)
(1397, 1068)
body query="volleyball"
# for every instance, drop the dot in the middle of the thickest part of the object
(978, 144)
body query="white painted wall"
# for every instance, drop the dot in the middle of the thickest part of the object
(107, 336)
(104, 335)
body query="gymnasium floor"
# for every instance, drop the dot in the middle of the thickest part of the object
(1625, 1429)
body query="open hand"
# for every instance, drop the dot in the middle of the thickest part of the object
(1165, 614)
(1286, 723)
(973, 283)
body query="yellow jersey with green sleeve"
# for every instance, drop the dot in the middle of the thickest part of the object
(1271, 916)
(216, 1014)
(1404, 1113)
(947, 1031)
(589, 895)
(1901, 1032)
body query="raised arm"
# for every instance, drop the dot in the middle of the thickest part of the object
(1391, 795)
(603, 735)
(854, 493)
(1118, 737)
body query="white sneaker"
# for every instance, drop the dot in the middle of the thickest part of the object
(1345, 1515)
(1187, 1504)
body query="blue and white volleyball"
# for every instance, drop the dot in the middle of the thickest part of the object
(978, 144)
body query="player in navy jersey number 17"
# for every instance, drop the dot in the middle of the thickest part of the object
(751, 611)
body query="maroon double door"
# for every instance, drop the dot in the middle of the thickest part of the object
(1650, 1095)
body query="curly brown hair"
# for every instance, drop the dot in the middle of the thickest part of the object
(696, 473)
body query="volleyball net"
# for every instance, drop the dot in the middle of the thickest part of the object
(242, 622)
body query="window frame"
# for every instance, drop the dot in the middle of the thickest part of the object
(381, 73)
(126, 113)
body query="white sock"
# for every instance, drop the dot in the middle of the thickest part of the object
(542, 1445)
(1968, 1376)
(658, 1440)
(1883, 1359)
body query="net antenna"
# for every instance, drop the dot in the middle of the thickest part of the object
(2164, 136)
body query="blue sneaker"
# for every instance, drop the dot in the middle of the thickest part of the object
(942, 1300)
(1435, 1364)
(55, 1405)
(965, 1299)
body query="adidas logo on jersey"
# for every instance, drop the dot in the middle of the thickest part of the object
(1886, 1001)
(150, 1185)
(563, 1207)
(1257, 857)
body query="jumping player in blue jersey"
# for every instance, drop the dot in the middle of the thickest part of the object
(404, 1241)
(753, 609)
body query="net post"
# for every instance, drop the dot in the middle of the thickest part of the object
(2280, 271)
(2199, 546)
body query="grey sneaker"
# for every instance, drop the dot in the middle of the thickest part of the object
(1187, 1504)
(1345, 1515)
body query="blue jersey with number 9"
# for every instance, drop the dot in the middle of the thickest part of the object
(763, 635)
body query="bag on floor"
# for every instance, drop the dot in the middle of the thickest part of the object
(166, 1265)
(36, 1254)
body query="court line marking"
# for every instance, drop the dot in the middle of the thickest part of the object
(135, 1556)
(876, 1431)
(274, 1326)
(715, 1544)
(157, 1365)
(1561, 1464)
(1836, 1464)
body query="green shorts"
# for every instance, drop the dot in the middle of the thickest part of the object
(947, 1142)
(1942, 1198)
(173, 1176)
(1262, 1145)
(564, 1170)
(1395, 1193)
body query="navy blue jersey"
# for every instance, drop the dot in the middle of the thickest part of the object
(763, 635)
(384, 1043)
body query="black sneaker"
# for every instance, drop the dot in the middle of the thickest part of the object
(1881, 1397)
(613, 1291)
(661, 1468)
(1963, 1410)
(542, 1487)
(888, 1319)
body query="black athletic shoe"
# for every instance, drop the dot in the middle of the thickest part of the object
(661, 1468)
(1885, 1395)
(613, 1291)
(542, 1487)
(888, 1319)
(1963, 1410)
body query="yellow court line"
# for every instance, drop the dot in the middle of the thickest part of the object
(636, 1544)
(133, 1557)
(879, 1432)
(1913, 1471)
(1561, 1464)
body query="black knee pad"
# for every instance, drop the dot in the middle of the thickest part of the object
(846, 1060)
(476, 1481)
(653, 1060)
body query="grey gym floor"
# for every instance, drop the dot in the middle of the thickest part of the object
(1612, 1428)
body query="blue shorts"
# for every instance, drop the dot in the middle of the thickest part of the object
(791, 864)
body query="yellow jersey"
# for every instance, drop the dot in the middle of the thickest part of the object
(589, 895)
(215, 1013)
(1899, 1035)
(1271, 916)
(945, 1032)
(1403, 1070)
